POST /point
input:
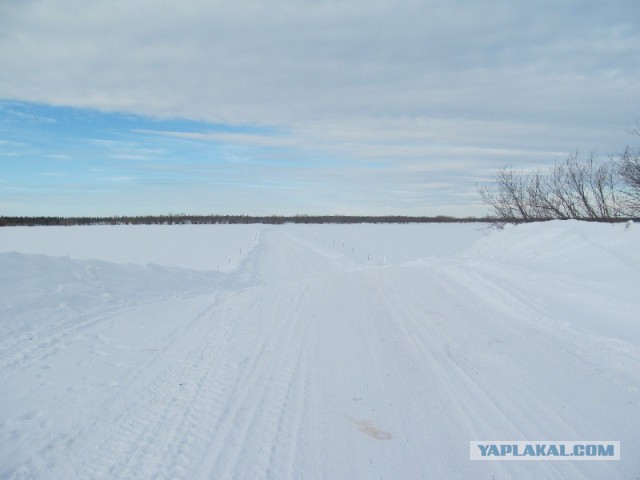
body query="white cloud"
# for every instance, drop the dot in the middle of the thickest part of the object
(286, 62)
(233, 138)
(126, 150)
(416, 86)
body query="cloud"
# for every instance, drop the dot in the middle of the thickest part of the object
(289, 63)
(384, 89)
(126, 150)
(233, 138)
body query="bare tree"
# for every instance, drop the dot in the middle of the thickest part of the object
(545, 197)
(575, 188)
(604, 183)
(629, 169)
(508, 197)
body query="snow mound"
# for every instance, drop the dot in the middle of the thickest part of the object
(39, 282)
(570, 244)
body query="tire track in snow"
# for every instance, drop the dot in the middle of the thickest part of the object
(265, 403)
(231, 387)
(441, 356)
(305, 368)
(117, 429)
(486, 388)
(167, 418)
(28, 349)
(177, 429)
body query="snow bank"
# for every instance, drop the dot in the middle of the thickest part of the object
(577, 275)
(564, 245)
(37, 281)
(42, 295)
(197, 247)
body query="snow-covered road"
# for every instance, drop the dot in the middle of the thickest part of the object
(303, 363)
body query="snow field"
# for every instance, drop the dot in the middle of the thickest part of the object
(306, 359)
(195, 247)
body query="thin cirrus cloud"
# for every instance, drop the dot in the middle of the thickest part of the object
(359, 106)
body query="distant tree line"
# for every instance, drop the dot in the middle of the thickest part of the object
(576, 188)
(184, 219)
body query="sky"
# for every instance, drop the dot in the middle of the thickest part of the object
(377, 107)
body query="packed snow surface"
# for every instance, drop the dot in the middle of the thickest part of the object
(320, 352)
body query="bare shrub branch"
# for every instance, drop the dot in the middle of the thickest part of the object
(574, 188)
